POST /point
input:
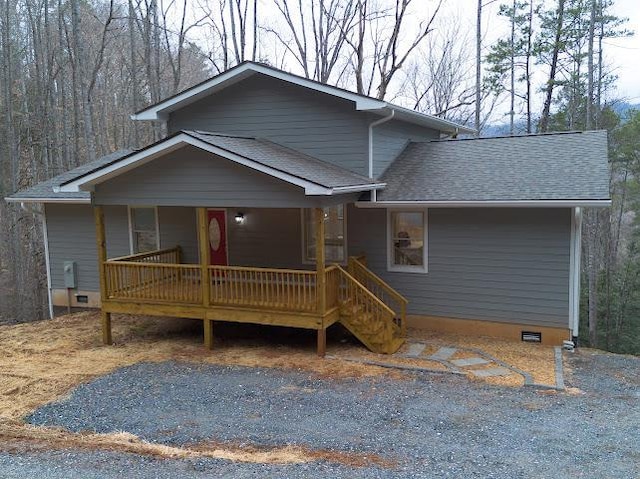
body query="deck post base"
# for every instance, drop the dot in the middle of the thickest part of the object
(106, 329)
(322, 342)
(208, 334)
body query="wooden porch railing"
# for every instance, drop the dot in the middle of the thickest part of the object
(333, 286)
(381, 290)
(370, 312)
(177, 283)
(167, 255)
(267, 288)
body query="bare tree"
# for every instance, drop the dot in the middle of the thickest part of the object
(555, 53)
(393, 56)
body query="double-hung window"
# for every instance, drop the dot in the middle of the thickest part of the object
(334, 234)
(407, 237)
(143, 225)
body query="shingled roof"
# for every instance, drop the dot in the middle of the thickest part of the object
(275, 159)
(45, 191)
(559, 166)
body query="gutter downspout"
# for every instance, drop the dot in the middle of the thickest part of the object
(45, 238)
(574, 293)
(371, 126)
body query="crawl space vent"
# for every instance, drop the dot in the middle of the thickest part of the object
(82, 298)
(531, 336)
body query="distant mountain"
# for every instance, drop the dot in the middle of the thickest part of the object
(622, 108)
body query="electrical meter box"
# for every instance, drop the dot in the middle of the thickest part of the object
(70, 274)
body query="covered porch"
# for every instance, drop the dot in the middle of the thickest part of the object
(159, 283)
(197, 173)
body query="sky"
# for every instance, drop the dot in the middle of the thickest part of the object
(623, 53)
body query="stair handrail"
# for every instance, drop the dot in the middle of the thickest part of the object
(364, 297)
(356, 265)
(365, 290)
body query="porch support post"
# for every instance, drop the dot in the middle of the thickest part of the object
(203, 243)
(101, 244)
(321, 279)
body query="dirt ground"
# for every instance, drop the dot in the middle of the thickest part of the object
(43, 361)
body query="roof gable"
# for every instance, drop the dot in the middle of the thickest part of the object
(314, 176)
(160, 111)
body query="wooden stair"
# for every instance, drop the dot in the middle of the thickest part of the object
(380, 335)
(367, 316)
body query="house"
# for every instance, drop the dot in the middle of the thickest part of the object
(219, 220)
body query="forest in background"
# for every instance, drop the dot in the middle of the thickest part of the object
(74, 70)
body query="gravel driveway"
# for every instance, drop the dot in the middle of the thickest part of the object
(427, 426)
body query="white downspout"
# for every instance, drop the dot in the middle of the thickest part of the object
(45, 238)
(371, 125)
(574, 274)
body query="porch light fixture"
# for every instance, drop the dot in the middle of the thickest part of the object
(239, 218)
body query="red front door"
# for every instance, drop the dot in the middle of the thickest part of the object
(218, 237)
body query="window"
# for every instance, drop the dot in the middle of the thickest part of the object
(334, 234)
(407, 233)
(143, 223)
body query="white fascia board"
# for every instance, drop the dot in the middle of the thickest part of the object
(160, 111)
(430, 121)
(486, 204)
(49, 200)
(87, 183)
(357, 188)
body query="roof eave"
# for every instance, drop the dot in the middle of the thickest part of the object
(429, 121)
(567, 203)
(45, 199)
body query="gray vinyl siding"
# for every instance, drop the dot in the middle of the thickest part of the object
(318, 124)
(267, 238)
(507, 265)
(391, 138)
(72, 237)
(178, 227)
(192, 177)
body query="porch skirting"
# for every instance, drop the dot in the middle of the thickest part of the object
(479, 327)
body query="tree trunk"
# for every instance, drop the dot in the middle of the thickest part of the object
(544, 119)
(478, 65)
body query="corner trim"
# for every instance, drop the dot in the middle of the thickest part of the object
(47, 260)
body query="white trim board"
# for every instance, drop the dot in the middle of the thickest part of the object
(47, 260)
(88, 182)
(486, 204)
(49, 200)
(161, 110)
(574, 270)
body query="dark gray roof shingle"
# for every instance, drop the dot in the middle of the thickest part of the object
(284, 159)
(45, 189)
(562, 166)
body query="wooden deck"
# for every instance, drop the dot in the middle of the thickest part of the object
(268, 296)
(157, 283)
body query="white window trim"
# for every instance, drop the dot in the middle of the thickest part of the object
(303, 246)
(425, 251)
(129, 208)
